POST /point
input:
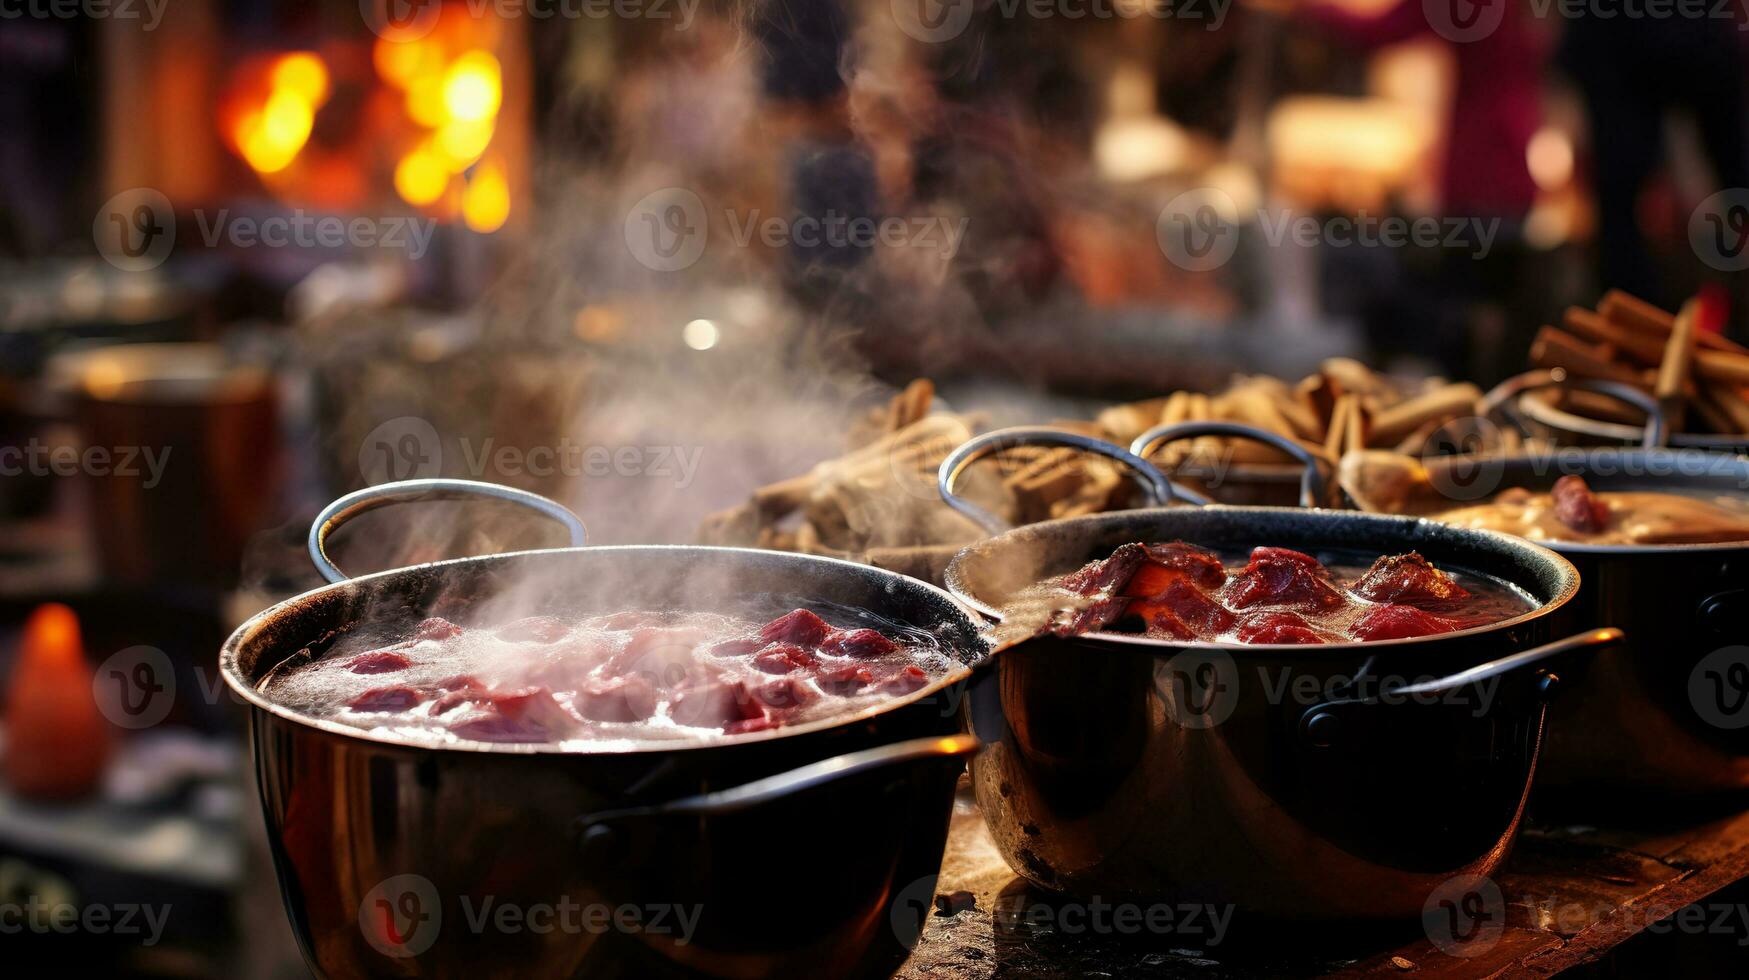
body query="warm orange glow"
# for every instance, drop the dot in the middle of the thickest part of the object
(421, 177)
(399, 62)
(425, 100)
(52, 636)
(461, 142)
(303, 73)
(473, 87)
(486, 202)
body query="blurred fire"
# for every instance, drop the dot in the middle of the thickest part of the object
(272, 110)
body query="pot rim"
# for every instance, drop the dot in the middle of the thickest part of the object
(1569, 582)
(229, 656)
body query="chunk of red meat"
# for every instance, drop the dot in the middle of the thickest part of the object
(781, 658)
(714, 705)
(620, 699)
(661, 653)
(526, 715)
(1577, 507)
(1201, 565)
(1409, 579)
(785, 693)
(537, 629)
(397, 698)
(1396, 622)
(1277, 581)
(459, 690)
(1183, 611)
(620, 621)
(1266, 553)
(378, 662)
(845, 681)
(738, 647)
(1277, 627)
(800, 627)
(436, 629)
(864, 643)
(908, 678)
(743, 726)
(1107, 576)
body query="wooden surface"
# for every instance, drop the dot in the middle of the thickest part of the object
(1573, 893)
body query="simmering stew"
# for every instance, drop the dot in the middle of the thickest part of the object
(632, 676)
(1179, 591)
(1571, 511)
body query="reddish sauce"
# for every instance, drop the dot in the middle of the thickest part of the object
(1178, 591)
(628, 676)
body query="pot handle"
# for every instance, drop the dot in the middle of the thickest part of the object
(596, 827)
(1313, 484)
(1507, 393)
(1160, 490)
(1321, 724)
(370, 498)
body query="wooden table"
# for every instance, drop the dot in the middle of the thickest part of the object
(1574, 896)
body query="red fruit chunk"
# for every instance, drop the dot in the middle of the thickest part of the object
(714, 705)
(739, 647)
(1267, 553)
(781, 658)
(908, 679)
(620, 699)
(378, 662)
(785, 693)
(845, 681)
(539, 629)
(1577, 507)
(800, 627)
(1408, 579)
(1183, 607)
(385, 699)
(436, 629)
(1278, 581)
(1396, 622)
(857, 643)
(1277, 627)
(1200, 565)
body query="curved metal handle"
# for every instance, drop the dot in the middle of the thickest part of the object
(370, 498)
(1154, 483)
(774, 788)
(1313, 484)
(1503, 394)
(1326, 725)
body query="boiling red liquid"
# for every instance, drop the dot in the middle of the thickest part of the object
(629, 677)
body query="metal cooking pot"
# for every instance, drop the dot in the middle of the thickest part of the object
(1311, 782)
(1666, 714)
(779, 853)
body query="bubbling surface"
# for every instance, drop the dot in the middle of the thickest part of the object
(608, 682)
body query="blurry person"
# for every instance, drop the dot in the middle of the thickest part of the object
(1633, 70)
(1492, 304)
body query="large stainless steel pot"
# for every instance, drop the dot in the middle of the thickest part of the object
(1310, 783)
(789, 852)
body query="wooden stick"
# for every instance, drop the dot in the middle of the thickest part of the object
(1393, 424)
(1714, 365)
(1729, 403)
(1673, 370)
(1337, 431)
(1634, 313)
(1554, 348)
